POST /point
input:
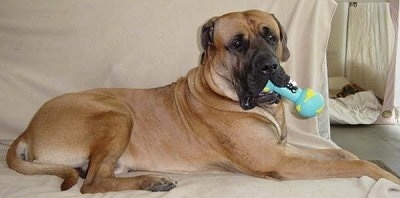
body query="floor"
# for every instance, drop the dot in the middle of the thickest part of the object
(374, 142)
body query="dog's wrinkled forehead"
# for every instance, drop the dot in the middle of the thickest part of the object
(248, 24)
(218, 32)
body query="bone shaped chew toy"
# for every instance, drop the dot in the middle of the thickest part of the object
(308, 102)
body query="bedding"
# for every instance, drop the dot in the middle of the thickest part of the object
(349, 104)
(216, 185)
(360, 108)
(53, 47)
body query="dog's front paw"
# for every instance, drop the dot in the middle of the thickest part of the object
(156, 183)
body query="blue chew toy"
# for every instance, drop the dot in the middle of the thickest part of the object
(308, 102)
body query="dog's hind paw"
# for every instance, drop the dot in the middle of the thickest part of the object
(155, 183)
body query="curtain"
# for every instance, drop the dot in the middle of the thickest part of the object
(370, 48)
(395, 85)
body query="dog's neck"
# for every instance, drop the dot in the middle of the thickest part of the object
(220, 83)
(222, 96)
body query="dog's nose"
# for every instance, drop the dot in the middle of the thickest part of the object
(268, 65)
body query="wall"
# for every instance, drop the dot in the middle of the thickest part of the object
(337, 42)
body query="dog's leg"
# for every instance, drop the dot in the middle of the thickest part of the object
(299, 167)
(324, 154)
(107, 149)
(285, 163)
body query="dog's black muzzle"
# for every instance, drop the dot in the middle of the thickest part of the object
(261, 65)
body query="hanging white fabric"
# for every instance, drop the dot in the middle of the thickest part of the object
(370, 45)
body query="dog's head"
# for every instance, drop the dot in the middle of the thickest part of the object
(247, 47)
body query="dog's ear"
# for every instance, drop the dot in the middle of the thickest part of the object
(207, 37)
(207, 34)
(285, 50)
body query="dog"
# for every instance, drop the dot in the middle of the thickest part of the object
(215, 118)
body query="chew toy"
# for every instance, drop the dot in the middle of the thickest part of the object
(308, 102)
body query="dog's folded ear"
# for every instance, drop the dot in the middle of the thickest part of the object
(207, 37)
(285, 50)
(207, 34)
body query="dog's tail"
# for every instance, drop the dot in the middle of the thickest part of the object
(17, 160)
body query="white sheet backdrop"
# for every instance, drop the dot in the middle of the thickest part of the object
(52, 47)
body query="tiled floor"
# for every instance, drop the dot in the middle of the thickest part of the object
(374, 142)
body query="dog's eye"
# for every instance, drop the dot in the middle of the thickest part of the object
(269, 36)
(238, 43)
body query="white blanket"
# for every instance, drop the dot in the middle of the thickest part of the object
(359, 108)
(228, 185)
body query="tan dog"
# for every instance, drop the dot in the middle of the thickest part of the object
(213, 119)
